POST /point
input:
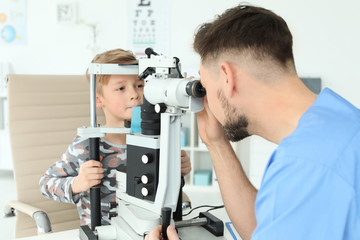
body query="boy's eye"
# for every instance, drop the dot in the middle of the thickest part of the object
(120, 89)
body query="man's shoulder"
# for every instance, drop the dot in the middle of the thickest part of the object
(331, 106)
(325, 130)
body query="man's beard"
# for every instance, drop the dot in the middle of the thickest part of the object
(236, 124)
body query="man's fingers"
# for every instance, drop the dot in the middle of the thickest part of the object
(155, 234)
(185, 163)
(183, 153)
(185, 160)
(187, 167)
(171, 233)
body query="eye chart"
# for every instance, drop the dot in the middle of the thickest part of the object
(148, 26)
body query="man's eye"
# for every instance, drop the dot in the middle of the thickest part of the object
(140, 85)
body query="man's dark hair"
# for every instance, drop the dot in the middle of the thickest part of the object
(243, 28)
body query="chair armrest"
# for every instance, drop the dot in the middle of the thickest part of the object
(41, 218)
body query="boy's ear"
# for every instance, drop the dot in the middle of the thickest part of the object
(99, 102)
(228, 72)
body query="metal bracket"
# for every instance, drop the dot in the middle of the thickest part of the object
(113, 69)
(94, 132)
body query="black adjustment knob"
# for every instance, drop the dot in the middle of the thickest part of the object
(166, 217)
(146, 178)
(149, 52)
(146, 158)
(195, 89)
(112, 214)
(113, 205)
(160, 107)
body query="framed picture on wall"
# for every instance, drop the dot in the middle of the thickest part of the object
(66, 13)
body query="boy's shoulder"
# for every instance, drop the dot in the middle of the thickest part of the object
(80, 145)
(78, 149)
(80, 141)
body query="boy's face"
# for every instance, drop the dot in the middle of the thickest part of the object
(118, 97)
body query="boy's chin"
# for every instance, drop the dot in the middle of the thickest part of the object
(127, 117)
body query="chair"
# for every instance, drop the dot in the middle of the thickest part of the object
(44, 114)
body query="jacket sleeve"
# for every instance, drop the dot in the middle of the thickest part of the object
(57, 181)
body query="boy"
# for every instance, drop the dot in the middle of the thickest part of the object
(70, 179)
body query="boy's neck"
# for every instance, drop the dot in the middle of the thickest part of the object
(119, 139)
(115, 138)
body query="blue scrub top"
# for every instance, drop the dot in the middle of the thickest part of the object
(311, 185)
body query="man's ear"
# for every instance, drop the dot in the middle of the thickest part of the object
(99, 102)
(228, 72)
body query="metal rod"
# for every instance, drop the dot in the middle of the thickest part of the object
(177, 215)
(93, 121)
(95, 200)
(191, 222)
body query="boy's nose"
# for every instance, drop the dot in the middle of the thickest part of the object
(134, 94)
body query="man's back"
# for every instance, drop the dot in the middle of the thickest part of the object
(311, 186)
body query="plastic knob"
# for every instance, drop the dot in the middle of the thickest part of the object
(146, 191)
(146, 178)
(146, 158)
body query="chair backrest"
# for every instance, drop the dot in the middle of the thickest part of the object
(44, 114)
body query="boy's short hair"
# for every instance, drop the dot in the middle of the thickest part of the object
(245, 29)
(118, 56)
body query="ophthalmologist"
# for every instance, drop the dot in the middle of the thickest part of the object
(311, 184)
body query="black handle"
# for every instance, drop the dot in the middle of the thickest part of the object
(95, 201)
(166, 216)
(177, 215)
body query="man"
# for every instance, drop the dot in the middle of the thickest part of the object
(311, 184)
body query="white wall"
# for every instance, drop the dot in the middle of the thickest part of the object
(54, 48)
(326, 37)
(326, 41)
(326, 44)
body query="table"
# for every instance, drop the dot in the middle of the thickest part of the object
(189, 233)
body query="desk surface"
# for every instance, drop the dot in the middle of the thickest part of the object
(68, 235)
(197, 199)
(194, 232)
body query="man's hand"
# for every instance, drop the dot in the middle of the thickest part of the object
(185, 163)
(210, 130)
(90, 174)
(155, 233)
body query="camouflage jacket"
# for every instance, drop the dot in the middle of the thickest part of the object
(57, 181)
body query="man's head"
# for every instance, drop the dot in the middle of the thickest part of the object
(246, 30)
(249, 38)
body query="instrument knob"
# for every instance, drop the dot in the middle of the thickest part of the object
(146, 158)
(146, 191)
